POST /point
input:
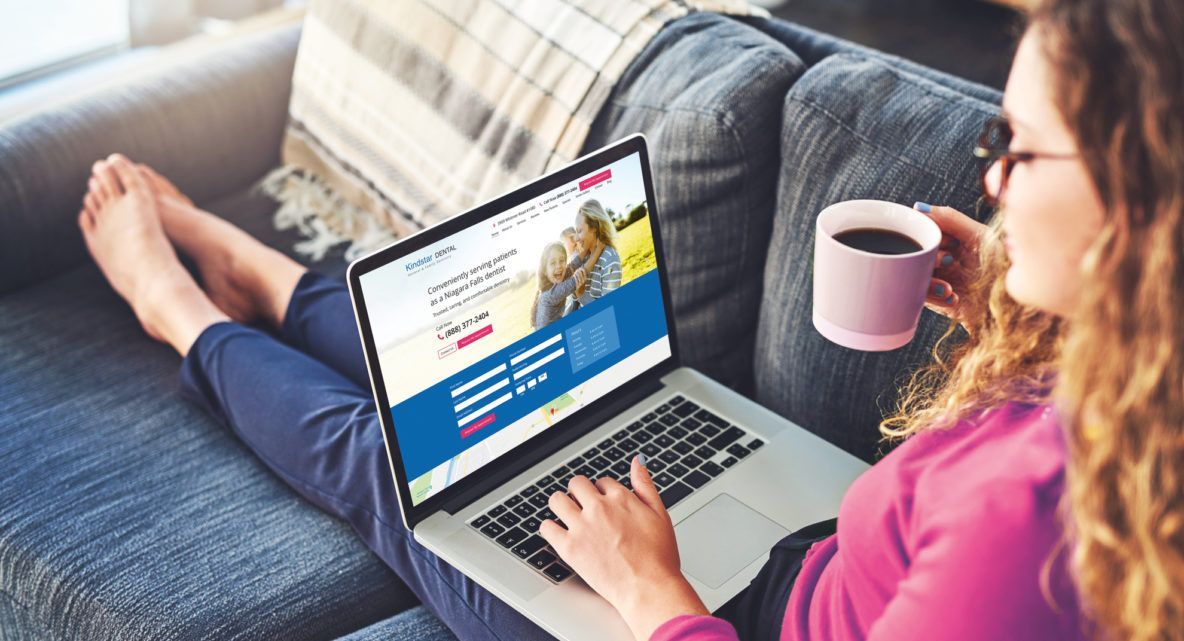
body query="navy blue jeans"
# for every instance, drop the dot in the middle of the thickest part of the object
(303, 404)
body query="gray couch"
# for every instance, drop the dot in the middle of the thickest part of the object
(127, 513)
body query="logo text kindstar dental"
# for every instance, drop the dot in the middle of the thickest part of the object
(418, 263)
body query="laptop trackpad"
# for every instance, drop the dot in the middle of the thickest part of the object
(722, 538)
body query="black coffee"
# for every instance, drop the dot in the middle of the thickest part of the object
(878, 241)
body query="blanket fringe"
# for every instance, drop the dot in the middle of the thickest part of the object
(321, 216)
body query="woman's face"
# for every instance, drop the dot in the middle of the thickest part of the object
(585, 234)
(556, 263)
(1051, 209)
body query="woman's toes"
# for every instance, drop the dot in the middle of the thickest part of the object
(90, 204)
(164, 185)
(85, 222)
(108, 180)
(95, 188)
(126, 174)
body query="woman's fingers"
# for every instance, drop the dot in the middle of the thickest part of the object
(944, 260)
(643, 486)
(954, 224)
(564, 507)
(941, 293)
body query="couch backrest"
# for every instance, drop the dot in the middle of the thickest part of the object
(211, 120)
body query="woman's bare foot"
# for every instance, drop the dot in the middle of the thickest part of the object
(125, 237)
(245, 278)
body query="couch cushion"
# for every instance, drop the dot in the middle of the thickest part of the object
(707, 93)
(854, 126)
(128, 513)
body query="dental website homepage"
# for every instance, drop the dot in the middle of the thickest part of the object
(498, 332)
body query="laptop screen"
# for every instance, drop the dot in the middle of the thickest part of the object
(500, 331)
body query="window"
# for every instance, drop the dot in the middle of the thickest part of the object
(45, 34)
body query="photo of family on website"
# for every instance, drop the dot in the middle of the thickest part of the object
(585, 262)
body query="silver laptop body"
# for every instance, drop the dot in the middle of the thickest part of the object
(736, 477)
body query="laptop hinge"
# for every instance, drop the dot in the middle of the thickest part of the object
(562, 438)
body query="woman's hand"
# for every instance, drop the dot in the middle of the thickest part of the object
(622, 544)
(581, 276)
(957, 261)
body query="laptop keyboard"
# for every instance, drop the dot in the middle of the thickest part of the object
(685, 447)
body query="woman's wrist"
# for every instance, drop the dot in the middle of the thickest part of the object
(658, 602)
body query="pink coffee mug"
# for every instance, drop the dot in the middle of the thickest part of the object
(869, 301)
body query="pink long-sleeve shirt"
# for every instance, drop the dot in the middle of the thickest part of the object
(946, 537)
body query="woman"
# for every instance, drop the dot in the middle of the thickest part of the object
(595, 228)
(998, 518)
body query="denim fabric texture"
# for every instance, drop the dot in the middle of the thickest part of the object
(128, 513)
(211, 122)
(707, 94)
(855, 126)
(418, 623)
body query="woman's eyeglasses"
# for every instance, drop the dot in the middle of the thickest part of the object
(993, 147)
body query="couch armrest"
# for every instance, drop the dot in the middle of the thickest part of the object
(211, 120)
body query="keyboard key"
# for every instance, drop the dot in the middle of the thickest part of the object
(575, 462)
(642, 437)
(620, 467)
(512, 501)
(588, 471)
(539, 500)
(524, 510)
(497, 511)
(755, 444)
(711, 469)
(674, 494)
(542, 559)
(655, 428)
(730, 461)
(664, 479)
(729, 436)
(532, 544)
(738, 450)
(545, 514)
(691, 424)
(696, 479)
(627, 482)
(613, 454)
(678, 469)
(669, 420)
(669, 457)
(509, 519)
(655, 466)
(605, 444)
(560, 471)
(676, 432)
(682, 447)
(664, 441)
(677, 399)
(649, 418)
(511, 538)
(651, 450)
(705, 452)
(708, 417)
(634, 426)
(599, 464)
(686, 409)
(480, 521)
(493, 530)
(629, 445)
(662, 409)
(691, 461)
(708, 430)
(620, 435)
(591, 452)
(557, 572)
(530, 491)
(532, 524)
(544, 482)
(696, 439)
(556, 487)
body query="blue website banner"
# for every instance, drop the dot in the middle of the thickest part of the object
(453, 415)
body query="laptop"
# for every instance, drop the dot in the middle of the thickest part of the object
(489, 405)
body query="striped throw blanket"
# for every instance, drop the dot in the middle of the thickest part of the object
(406, 112)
